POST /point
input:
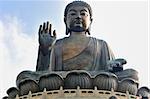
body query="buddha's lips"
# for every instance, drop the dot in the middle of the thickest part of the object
(78, 21)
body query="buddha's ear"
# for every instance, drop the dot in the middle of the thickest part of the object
(88, 30)
(65, 20)
(67, 30)
(91, 20)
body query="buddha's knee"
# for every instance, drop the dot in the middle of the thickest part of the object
(127, 73)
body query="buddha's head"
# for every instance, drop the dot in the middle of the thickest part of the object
(78, 17)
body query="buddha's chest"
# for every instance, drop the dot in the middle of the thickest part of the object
(72, 49)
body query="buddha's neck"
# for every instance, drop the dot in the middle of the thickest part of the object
(77, 35)
(77, 38)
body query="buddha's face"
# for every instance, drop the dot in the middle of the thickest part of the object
(78, 18)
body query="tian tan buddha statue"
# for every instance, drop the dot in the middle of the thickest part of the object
(78, 51)
(76, 60)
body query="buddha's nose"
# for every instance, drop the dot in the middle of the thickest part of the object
(78, 16)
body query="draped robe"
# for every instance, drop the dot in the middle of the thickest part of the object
(93, 58)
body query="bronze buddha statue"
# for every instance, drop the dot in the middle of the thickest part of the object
(76, 52)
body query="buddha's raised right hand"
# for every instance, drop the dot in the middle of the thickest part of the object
(47, 38)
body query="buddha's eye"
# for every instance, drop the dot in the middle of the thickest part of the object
(72, 14)
(83, 14)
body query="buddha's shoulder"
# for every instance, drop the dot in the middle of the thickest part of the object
(97, 40)
(60, 41)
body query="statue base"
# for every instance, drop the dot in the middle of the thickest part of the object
(78, 94)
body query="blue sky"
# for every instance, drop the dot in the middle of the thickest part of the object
(32, 12)
(123, 24)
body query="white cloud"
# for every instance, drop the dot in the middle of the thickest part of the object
(18, 51)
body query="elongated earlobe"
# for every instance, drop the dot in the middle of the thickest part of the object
(88, 31)
(67, 31)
